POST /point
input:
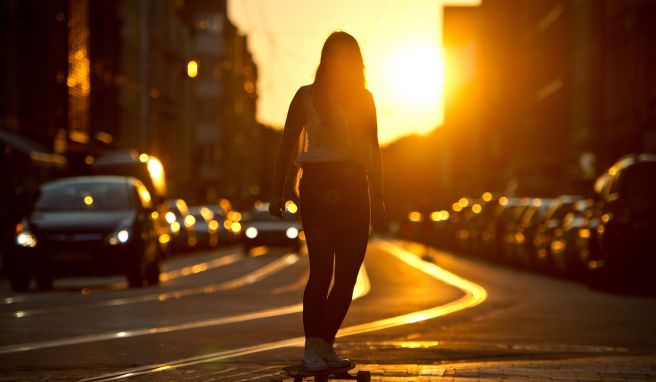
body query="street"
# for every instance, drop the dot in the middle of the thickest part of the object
(221, 316)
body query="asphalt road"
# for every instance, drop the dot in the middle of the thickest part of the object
(222, 316)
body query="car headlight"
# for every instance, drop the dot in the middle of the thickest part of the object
(26, 239)
(292, 232)
(251, 232)
(170, 217)
(189, 221)
(175, 227)
(119, 237)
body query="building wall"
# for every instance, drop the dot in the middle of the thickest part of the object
(565, 87)
(34, 68)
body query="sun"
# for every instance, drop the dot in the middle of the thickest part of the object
(415, 76)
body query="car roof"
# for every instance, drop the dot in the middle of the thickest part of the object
(631, 159)
(94, 179)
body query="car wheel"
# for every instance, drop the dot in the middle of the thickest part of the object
(596, 278)
(152, 274)
(136, 273)
(44, 282)
(19, 276)
(18, 281)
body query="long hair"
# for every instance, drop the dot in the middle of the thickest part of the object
(340, 75)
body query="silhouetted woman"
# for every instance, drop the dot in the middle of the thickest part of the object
(340, 188)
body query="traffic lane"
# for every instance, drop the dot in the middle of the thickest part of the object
(509, 325)
(83, 289)
(165, 347)
(203, 363)
(142, 314)
(525, 315)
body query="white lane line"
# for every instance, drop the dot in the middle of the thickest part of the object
(200, 267)
(474, 295)
(13, 299)
(164, 277)
(362, 287)
(183, 272)
(250, 278)
(176, 273)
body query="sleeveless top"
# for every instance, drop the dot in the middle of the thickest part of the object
(337, 139)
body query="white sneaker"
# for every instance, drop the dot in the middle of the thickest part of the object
(330, 357)
(312, 359)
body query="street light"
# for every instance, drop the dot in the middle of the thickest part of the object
(192, 69)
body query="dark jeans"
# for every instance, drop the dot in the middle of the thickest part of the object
(334, 211)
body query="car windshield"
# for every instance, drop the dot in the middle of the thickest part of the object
(92, 196)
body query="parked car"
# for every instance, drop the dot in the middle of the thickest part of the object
(230, 221)
(264, 229)
(206, 227)
(512, 219)
(525, 232)
(92, 225)
(545, 231)
(626, 210)
(181, 223)
(563, 247)
(466, 210)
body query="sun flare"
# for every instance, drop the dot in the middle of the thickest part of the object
(415, 76)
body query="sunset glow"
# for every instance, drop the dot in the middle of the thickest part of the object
(415, 76)
(400, 42)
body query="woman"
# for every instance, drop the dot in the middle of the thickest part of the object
(341, 175)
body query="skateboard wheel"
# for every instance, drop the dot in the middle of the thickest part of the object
(363, 376)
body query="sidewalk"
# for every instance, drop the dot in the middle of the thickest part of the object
(615, 368)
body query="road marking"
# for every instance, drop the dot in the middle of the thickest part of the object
(186, 271)
(200, 267)
(164, 277)
(13, 299)
(177, 273)
(250, 278)
(363, 286)
(474, 295)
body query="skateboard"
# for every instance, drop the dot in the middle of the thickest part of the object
(299, 373)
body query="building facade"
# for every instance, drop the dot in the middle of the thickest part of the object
(85, 77)
(560, 90)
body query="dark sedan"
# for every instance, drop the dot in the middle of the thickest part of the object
(89, 226)
(626, 212)
(264, 229)
(206, 226)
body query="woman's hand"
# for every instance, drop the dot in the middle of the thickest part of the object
(276, 206)
(378, 212)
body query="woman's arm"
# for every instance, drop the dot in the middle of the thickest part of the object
(377, 170)
(293, 127)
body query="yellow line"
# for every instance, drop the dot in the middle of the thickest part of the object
(474, 295)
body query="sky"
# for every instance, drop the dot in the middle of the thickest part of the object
(400, 42)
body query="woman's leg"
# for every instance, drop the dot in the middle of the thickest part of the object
(351, 238)
(321, 253)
